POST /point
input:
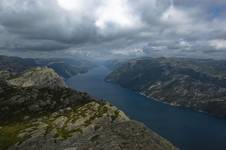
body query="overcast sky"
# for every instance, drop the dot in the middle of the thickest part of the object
(113, 28)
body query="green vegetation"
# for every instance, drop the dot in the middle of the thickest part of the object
(9, 134)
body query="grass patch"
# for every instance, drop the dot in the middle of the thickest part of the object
(9, 135)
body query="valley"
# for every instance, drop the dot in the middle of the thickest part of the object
(39, 111)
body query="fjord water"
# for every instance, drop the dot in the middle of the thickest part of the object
(185, 128)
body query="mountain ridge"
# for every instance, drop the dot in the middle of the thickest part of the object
(193, 83)
(41, 77)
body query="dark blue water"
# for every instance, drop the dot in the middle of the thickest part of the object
(187, 129)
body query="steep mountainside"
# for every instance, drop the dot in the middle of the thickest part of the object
(58, 118)
(66, 70)
(198, 84)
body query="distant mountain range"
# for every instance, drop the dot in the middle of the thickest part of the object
(194, 83)
(64, 67)
(39, 112)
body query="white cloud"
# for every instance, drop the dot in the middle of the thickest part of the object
(115, 13)
(129, 52)
(175, 16)
(184, 43)
(218, 44)
(70, 4)
(106, 15)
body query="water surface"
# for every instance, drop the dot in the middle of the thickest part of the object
(187, 129)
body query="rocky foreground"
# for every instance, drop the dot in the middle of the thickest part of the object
(39, 114)
(193, 83)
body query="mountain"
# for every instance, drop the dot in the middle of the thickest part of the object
(16, 64)
(64, 67)
(41, 77)
(67, 67)
(5, 75)
(193, 83)
(43, 116)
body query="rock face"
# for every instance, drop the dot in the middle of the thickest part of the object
(193, 83)
(34, 116)
(39, 77)
(92, 126)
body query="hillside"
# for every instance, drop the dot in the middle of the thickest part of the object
(16, 64)
(193, 83)
(64, 67)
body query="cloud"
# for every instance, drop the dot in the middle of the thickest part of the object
(113, 28)
(175, 16)
(115, 13)
(218, 44)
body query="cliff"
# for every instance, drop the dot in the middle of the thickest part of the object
(41, 77)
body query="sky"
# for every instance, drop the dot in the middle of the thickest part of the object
(103, 29)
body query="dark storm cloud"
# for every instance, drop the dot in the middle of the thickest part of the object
(108, 28)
